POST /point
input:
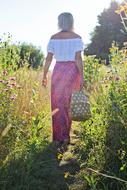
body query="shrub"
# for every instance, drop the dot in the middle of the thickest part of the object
(104, 136)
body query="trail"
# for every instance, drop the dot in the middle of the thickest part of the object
(61, 167)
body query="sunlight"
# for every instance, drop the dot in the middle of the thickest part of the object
(36, 22)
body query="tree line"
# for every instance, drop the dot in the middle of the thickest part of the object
(109, 29)
(19, 55)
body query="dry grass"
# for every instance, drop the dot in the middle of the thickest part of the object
(32, 97)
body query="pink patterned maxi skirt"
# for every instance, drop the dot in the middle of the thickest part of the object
(65, 79)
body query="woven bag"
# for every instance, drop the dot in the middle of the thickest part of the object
(79, 106)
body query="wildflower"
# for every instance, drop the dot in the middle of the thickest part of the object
(13, 84)
(5, 72)
(2, 81)
(66, 174)
(6, 89)
(12, 78)
(59, 156)
(5, 82)
(9, 85)
(13, 97)
(117, 78)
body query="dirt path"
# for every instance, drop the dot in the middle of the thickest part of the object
(61, 167)
(70, 166)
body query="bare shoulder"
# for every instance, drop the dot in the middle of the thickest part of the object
(56, 36)
(75, 35)
(65, 35)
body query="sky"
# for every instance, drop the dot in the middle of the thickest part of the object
(34, 21)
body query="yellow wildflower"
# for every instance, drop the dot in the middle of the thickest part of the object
(66, 174)
(59, 156)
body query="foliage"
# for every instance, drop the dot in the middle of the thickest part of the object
(14, 56)
(29, 132)
(104, 136)
(9, 54)
(8, 93)
(91, 71)
(8, 86)
(31, 55)
(29, 161)
(122, 11)
(109, 29)
(24, 119)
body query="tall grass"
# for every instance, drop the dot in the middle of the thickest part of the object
(103, 148)
(29, 129)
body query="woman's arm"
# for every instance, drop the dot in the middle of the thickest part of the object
(78, 59)
(48, 61)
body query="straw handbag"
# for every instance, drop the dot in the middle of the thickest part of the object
(80, 106)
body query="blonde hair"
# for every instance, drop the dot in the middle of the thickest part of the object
(65, 21)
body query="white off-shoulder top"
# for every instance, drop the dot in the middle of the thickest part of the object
(65, 49)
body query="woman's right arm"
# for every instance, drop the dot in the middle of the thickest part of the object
(48, 61)
(79, 63)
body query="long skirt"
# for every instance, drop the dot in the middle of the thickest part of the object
(65, 79)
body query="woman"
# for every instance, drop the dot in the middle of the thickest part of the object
(67, 76)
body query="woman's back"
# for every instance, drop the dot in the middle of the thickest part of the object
(64, 45)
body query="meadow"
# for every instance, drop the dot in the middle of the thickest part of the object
(28, 159)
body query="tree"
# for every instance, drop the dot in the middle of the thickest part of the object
(109, 29)
(17, 55)
(31, 55)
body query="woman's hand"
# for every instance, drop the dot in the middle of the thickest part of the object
(44, 82)
(47, 64)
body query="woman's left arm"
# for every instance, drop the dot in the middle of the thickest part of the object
(48, 61)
